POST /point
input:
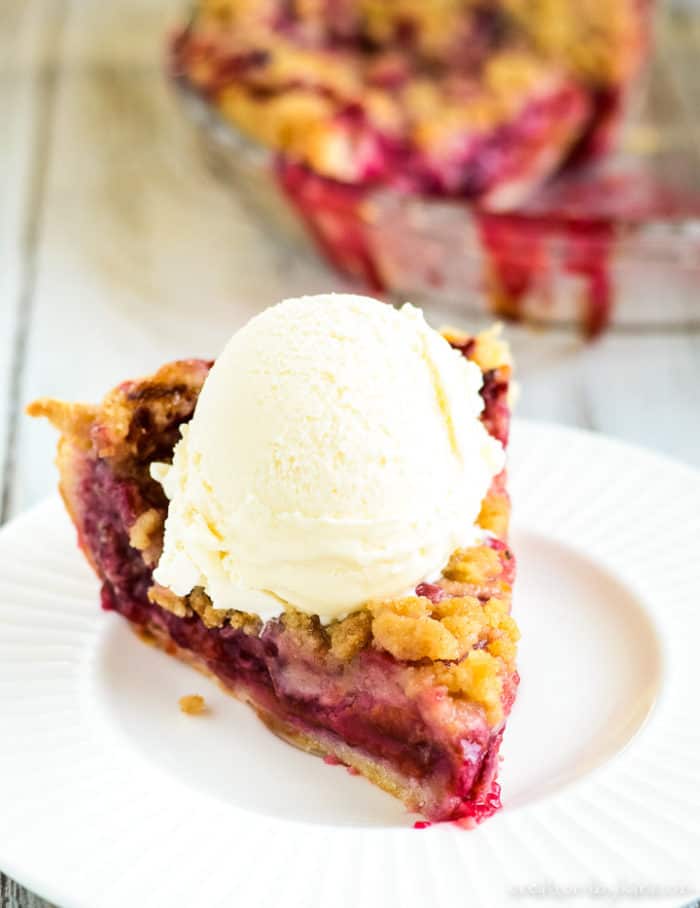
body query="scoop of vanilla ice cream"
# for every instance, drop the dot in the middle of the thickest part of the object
(335, 456)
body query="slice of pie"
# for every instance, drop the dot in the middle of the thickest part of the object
(413, 693)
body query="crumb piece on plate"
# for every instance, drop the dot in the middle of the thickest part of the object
(193, 705)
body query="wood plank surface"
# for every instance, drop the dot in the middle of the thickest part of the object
(28, 38)
(12, 895)
(27, 35)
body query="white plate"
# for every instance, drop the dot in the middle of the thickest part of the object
(110, 796)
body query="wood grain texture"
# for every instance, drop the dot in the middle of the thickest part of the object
(13, 895)
(27, 36)
(28, 33)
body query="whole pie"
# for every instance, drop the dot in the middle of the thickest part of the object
(411, 692)
(481, 99)
(405, 134)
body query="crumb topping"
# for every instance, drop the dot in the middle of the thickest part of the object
(165, 598)
(600, 41)
(351, 635)
(306, 629)
(146, 535)
(479, 678)
(478, 565)
(198, 603)
(135, 414)
(201, 605)
(495, 514)
(405, 628)
(487, 349)
(461, 642)
(245, 621)
(73, 421)
(193, 705)
(416, 628)
(490, 350)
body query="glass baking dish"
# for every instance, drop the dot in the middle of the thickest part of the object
(615, 243)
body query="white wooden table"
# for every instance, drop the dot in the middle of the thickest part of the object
(119, 249)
